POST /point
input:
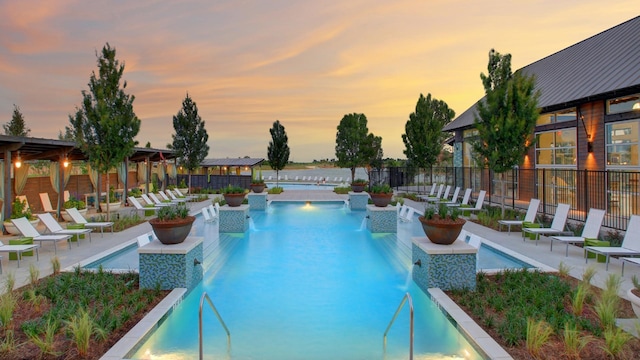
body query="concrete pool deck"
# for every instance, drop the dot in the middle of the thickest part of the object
(539, 252)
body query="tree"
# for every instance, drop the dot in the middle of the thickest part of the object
(278, 150)
(505, 118)
(17, 126)
(351, 142)
(423, 137)
(374, 155)
(190, 138)
(68, 135)
(105, 125)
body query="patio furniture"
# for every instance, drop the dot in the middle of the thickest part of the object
(173, 197)
(27, 230)
(138, 207)
(46, 203)
(465, 199)
(591, 230)
(54, 227)
(152, 202)
(157, 201)
(630, 243)
(557, 226)
(18, 250)
(479, 202)
(530, 216)
(79, 219)
(454, 198)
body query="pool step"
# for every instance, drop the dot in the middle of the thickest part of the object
(397, 252)
(217, 253)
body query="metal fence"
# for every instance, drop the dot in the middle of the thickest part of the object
(617, 192)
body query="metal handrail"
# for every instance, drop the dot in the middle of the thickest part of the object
(213, 307)
(406, 297)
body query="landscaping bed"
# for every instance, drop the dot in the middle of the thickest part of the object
(78, 315)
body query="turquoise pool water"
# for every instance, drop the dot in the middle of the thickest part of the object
(307, 283)
(295, 186)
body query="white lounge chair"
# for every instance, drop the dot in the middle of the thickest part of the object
(479, 203)
(591, 230)
(454, 198)
(296, 178)
(214, 210)
(187, 196)
(18, 250)
(465, 199)
(557, 226)
(530, 216)
(46, 203)
(27, 230)
(438, 195)
(153, 199)
(138, 207)
(79, 219)
(55, 228)
(168, 196)
(630, 243)
(206, 215)
(408, 214)
(432, 192)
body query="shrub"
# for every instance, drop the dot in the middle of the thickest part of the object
(74, 203)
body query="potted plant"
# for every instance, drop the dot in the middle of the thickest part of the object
(73, 203)
(19, 209)
(257, 183)
(381, 195)
(114, 203)
(173, 224)
(233, 195)
(182, 186)
(634, 295)
(444, 226)
(358, 185)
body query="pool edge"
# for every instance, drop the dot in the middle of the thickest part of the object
(468, 327)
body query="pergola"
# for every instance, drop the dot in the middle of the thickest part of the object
(14, 149)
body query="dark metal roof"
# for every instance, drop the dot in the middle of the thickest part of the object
(249, 162)
(603, 66)
(49, 149)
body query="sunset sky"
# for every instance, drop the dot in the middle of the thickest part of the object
(249, 63)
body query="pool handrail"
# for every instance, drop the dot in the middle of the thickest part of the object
(406, 297)
(215, 311)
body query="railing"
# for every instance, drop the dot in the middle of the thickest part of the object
(404, 300)
(215, 311)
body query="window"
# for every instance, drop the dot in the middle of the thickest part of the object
(556, 117)
(623, 104)
(467, 150)
(622, 144)
(556, 148)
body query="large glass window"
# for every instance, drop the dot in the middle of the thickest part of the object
(467, 150)
(623, 104)
(556, 117)
(556, 148)
(622, 144)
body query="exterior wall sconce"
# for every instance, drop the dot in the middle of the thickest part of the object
(590, 146)
(589, 141)
(18, 162)
(65, 163)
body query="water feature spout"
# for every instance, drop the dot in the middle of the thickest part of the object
(248, 216)
(196, 262)
(418, 262)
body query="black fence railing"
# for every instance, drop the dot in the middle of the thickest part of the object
(617, 192)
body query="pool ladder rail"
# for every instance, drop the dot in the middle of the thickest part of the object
(406, 297)
(215, 311)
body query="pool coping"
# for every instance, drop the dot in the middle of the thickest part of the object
(467, 326)
(82, 264)
(146, 326)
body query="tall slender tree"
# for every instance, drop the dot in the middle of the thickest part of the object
(505, 118)
(278, 150)
(352, 142)
(106, 125)
(190, 138)
(423, 137)
(17, 125)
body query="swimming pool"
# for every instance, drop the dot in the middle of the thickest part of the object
(307, 283)
(296, 186)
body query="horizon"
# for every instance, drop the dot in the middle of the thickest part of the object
(306, 64)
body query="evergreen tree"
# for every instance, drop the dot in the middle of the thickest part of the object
(17, 126)
(353, 148)
(190, 138)
(505, 118)
(423, 137)
(374, 154)
(278, 150)
(105, 125)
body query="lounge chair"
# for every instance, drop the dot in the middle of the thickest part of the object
(214, 210)
(187, 196)
(439, 196)
(138, 207)
(153, 199)
(591, 230)
(432, 192)
(46, 203)
(79, 219)
(557, 226)
(479, 203)
(27, 230)
(18, 250)
(54, 227)
(630, 244)
(465, 199)
(168, 196)
(407, 216)
(532, 211)
(208, 215)
(454, 198)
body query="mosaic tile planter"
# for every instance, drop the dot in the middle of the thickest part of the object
(234, 219)
(382, 219)
(447, 267)
(171, 266)
(358, 201)
(257, 201)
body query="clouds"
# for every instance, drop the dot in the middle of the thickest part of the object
(248, 63)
